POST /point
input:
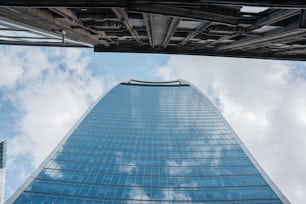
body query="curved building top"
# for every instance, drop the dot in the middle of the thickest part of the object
(179, 82)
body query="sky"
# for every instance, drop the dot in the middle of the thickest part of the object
(44, 91)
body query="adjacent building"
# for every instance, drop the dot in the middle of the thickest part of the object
(150, 142)
(2, 169)
(267, 29)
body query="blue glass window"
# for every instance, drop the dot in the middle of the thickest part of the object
(150, 144)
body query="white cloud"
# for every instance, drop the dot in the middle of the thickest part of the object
(265, 104)
(179, 168)
(261, 99)
(10, 69)
(127, 167)
(50, 88)
(172, 194)
(138, 193)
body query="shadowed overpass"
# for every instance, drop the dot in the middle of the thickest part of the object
(239, 28)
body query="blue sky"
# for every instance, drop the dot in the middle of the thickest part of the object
(43, 92)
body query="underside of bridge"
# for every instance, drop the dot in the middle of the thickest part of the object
(272, 29)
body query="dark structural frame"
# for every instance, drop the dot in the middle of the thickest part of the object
(272, 29)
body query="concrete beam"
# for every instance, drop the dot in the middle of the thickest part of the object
(123, 16)
(125, 3)
(171, 30)
(202, 51)
(284, 33)
(147, 20)
(203, 26)
(43, 21)
(69, 14)
(187, 13)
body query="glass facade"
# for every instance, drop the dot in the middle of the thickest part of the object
(150, 143)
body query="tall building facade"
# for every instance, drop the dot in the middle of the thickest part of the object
(2, 169)
(150, 142)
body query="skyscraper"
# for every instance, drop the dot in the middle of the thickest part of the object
(150, 142)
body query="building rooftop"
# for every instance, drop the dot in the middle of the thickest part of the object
(178, 82)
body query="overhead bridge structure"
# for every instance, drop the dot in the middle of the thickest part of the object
(272, 29)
